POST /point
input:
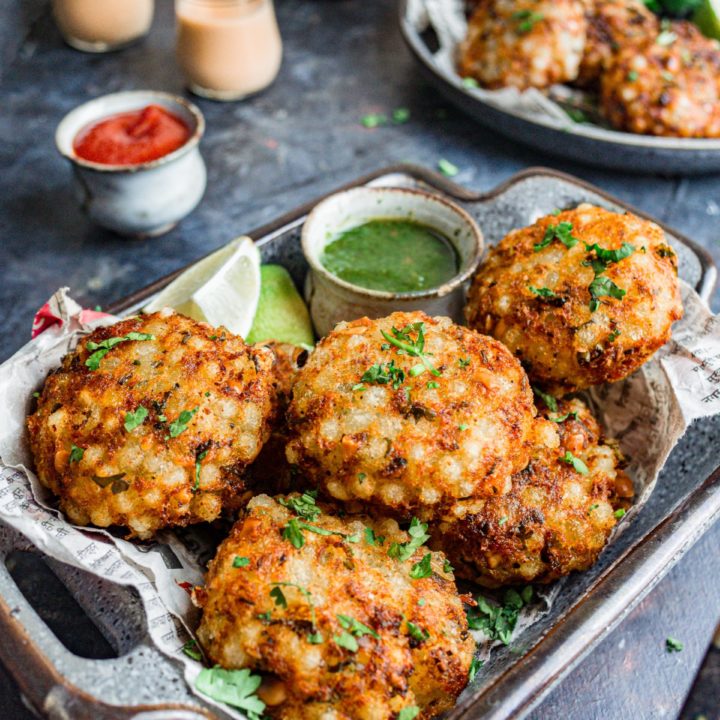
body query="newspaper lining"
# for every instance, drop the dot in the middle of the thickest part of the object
(647, 413)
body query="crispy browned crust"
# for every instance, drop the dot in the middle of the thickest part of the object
(188, 365)
(670, 89)
(355, 579)
(554, 520)
(612, 25)
(500, 51)
(410, 448)
(561, 343)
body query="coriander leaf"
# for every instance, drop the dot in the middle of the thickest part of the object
(561, 231)
(470, 82)
(548, 399)
(384, 374)
(373, 120)
(293, 534)
(463, 362)
(673, 645)
(198, 465)
(417, 633)
(101, 349)
(418, 536)
(408, 713)
(233, 687)
(542, 292)
(526, 20)
(240, 562)
(422, 569)
(279, 596)
(400, 115)
(576, 462)
(371, 538)
(76, 453)
(602, 286)
(447, 566)
(620, 513)
(180, 425)
(357, 628)
(563, 418)
(135, 419)
(315, 638)
(303, 506)
(498, 621)
(475, 665)
(265, 617)
(611, 256)
(347, 641)
(432, 385)
(447, 168)
(190, 648)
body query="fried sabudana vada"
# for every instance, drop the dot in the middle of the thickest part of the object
(582, 297)
(669, 85)
(556, 519)
(150, 422)
(406, 412)
(524, 43)
(348, 618)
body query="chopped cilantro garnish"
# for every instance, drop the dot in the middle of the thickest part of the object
(293, 534)
(447, 168)
(620, 513)
(422, 569)
(190, 648)
(433, 385)
(563, 418)
(417, 633)
(418, 536)
(233, 687)
(265, 617)
(76, 453)
(198, 465)
(470, 82)
(102, 348)
(576, 462)
(357, 387)
(278, 596)
(303, 506)
(357, 628)
(315, 638)
(400, 115)
(602, 286)
(240, 562)
(373, 120)
(498, 621)
(383, 374)
(463, 427)
(135, 419)
(611, 256)
(180, 425)
(409, 713)
(542, 292)
(673, 645)
(447, 566)
(526, 20)
(594, 506)
(548, 399)
(562, 231)
(502, 520)
(632, 76)
(371, 538)
(405, 344)
(346, 640)
(475, 666)
(463, 362)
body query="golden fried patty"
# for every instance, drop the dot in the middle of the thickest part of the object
(669, 85)
(351, 619)
(149, 423)
(582, 297)
(524, 43)
(556, 518)
(611, 25)
(408, 411)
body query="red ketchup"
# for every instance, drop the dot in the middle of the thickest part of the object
(132, 138)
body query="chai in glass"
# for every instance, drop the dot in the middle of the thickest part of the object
(102, 25)
(227, 49)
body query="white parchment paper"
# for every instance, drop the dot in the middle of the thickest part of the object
(647, 413)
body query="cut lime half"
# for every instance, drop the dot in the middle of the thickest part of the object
(707, 18)
(221, 289)
(281, 315)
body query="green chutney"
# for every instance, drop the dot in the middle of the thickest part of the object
(392, 255)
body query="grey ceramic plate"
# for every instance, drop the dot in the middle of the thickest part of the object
(583, 142)
(142, 684)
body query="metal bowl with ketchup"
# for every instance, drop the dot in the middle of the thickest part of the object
(136, 160)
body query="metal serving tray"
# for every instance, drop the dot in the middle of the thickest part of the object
(584, 142)
(144, 685)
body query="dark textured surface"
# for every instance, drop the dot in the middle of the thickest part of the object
(343, 59)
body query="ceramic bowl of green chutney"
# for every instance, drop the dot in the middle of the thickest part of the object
(375, 250)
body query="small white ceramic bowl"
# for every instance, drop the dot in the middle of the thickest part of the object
(332, 300)
(140, 200)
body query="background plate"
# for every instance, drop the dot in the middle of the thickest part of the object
(583, 142)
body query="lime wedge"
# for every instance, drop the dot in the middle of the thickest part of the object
(707, 18)
(281, 314)
(221, 289)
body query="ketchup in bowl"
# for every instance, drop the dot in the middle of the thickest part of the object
(132, 138)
